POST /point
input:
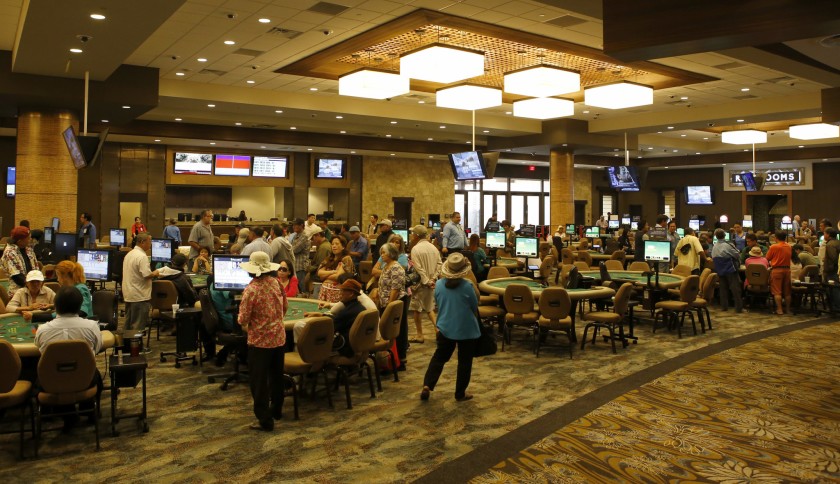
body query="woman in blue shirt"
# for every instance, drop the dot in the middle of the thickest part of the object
(457, 306)
(69, 273)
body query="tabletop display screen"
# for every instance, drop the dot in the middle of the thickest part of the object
(747, 224)
(65, 246)
(11, 181)
(526, 247)
(495, 240)
(698, 195)
(270, 166)
(570, 229)
(401, 232)
(694, 224)
(634, 225)
(331, 168)
(227, 275)
(117, 237)
(468, 165)
(94, 263)
(657, 251)
(49, 233)
(161, 250)
(193, 163)
(625, 220)
(233, 165)
(787, 226)
(614, 224)
(681, 232)
(592, 232)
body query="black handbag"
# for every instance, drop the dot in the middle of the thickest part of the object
(486, 342)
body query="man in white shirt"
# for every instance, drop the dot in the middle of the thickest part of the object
(137, 284)
(427, 263)
(68, 325)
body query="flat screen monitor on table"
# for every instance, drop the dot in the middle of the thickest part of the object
(117, 237)
(634, 225)
(625, 220)
(227, 275)
(49, 235)
(657, 251)
(787, 226)
(592, 232)
(495, 240)
(65, 246)
(161, 250)
(570, 229)
(94, 263)
(526, 247)
(747, 224)
(613, 224)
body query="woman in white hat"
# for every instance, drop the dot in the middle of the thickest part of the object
(457, 325)
(261, 315)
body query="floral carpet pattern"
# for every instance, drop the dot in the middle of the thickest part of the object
(768, 411)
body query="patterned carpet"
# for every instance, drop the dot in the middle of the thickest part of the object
(200, 434)
(768, 411)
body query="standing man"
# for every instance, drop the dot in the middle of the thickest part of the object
(201, 235)
(690, 252)
(673, 236)
(322, 251)
(137, 283)
(359, 248)
(385, 234)
(310, 220)
(87, 232)
(256, 242)
(639, 238)
(727, 259)
(300, 248)
(281, 248)
(830, 261)
(18, 258)
(454, 238)
(427, 263)
(374, 221)
(172, 231)
(779, 256)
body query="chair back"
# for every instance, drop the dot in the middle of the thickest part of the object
(164, 295)
(619, 255)
(225, 238)
(53, 285)
(581, 265)
(563, 274)
(315, 341)
(605, 273)
(4, 295)
(811, 271)
(49, 271)
(585, 256)
(707, 291)
(757, 275)
(704, 274)
(807, 248)
(66, 367)
(638, 266)
(554, 253)
(546, 266)
(555, 303)
(389, 322)
(209, 315)
(622, 297)
(9, 366)
(105, 308)
(681, 270)
(497, 272)
(614, 265)
(365, 269)
(689, 288)
(518, 299)
(363, 332)
(567, 256)
(545, 249)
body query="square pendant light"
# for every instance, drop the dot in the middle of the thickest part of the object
(814, 131)
(373, 84)
(619, 95)
(542, 81)
(543, 108)
(744, 137)
(469, 97)
(442, 63)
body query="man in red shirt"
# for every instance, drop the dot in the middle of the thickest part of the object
(779, 257)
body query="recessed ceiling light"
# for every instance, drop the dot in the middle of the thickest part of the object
(431, 156)
(486, 131)
(308, 149)
(442, 127)
(104, 120)
(201, 59)
(682, 136)
(696, 153)
(508, 112)
(339, 117)
(212, 142)
(684, 98)
(771, 162)
(76, 51)
(676, 151)
(293, 127)
(724, 164)
(343, 132)
(249, 81)
(97, 16)
(740, 120)
(393, 122)
(387, 135)
(264, 20)
(313, 88)
(238, 124)
(177, 119)
(211, 105)
(801, 146)
(586, 112)
(667, 167)
(392, 154)
(670, 127)
(469, 142)
(230, 42)
(179, 74)
(352, 152)
(616, 154)
(157, 141)
(263, 147)
(278, 111)
(745, 89)
(706, 137)
(430, 139)
(650, 148)
(126, 107)
(421, 102)
(659, 132)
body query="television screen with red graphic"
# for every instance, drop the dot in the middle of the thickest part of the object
(233, 165)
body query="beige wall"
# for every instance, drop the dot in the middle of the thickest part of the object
(583, 190)
(258, 202)
(428, 181)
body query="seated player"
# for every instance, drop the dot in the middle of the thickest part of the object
(335, 309)
(343, 319)
(34, 297)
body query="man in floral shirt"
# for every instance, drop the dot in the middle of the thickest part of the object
(18, 258)
(261, 314)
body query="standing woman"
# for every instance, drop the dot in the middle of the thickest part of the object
(338, 263)
(286, 277)
(457, 325)
(392, 288)
(261, 315)
(138, 227)
(69, 273)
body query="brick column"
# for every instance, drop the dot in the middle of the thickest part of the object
(562, 177)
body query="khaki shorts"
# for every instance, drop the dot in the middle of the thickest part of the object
(422, 299)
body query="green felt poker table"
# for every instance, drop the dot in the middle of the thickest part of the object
(497, 286)
(666, 281)
(509, 263)
(5, 284)
(298, 306)
(21, 334)
(199, 281)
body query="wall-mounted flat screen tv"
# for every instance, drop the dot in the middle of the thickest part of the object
(468, 165)
(270, 166)
(193, 164)
(623, 178)
(698, 195)
(74, 148)
(11, 181)
(330, 168)
(233, 165)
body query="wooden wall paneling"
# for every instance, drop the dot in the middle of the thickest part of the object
(354, 202)
(88, 194)
(7, 205)
(157, 189)
(133, 172)
(338, 199)
(300, 201)
(109, 215)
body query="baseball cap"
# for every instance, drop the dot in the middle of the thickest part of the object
(386, 221)
(419, 231)
(354, 229)
(35, 275)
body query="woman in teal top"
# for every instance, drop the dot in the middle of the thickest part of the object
(457, 305)
(479, 258)
(71, 273)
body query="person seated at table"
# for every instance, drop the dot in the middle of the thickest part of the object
(480, 258)
(34, 297)
(583, 245)
(186, 292)
(335, 309)
(202, 264)
(69, 273)
(68, 325)
(344, 317)
(751, 240)
(804, 257)
(287, 278)
(223, 302)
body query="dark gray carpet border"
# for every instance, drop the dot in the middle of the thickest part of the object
(483, 458)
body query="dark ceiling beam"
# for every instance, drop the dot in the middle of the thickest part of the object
(830, 105)
(655, 29)
(565, 134)
(761, 156)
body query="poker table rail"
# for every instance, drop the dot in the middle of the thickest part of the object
(666, 281)
(497, 286)
(21, 334)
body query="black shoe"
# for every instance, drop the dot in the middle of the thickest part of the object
(401, 367)
(262, 426)
(206, 358)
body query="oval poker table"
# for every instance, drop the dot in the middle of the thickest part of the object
(666, 281)
(509, 263)
(497, 286)
(199, 281)
(21, 334)
(298, 306)
(598, 257)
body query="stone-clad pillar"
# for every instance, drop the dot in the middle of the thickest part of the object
(562, 178)
(46, 178)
